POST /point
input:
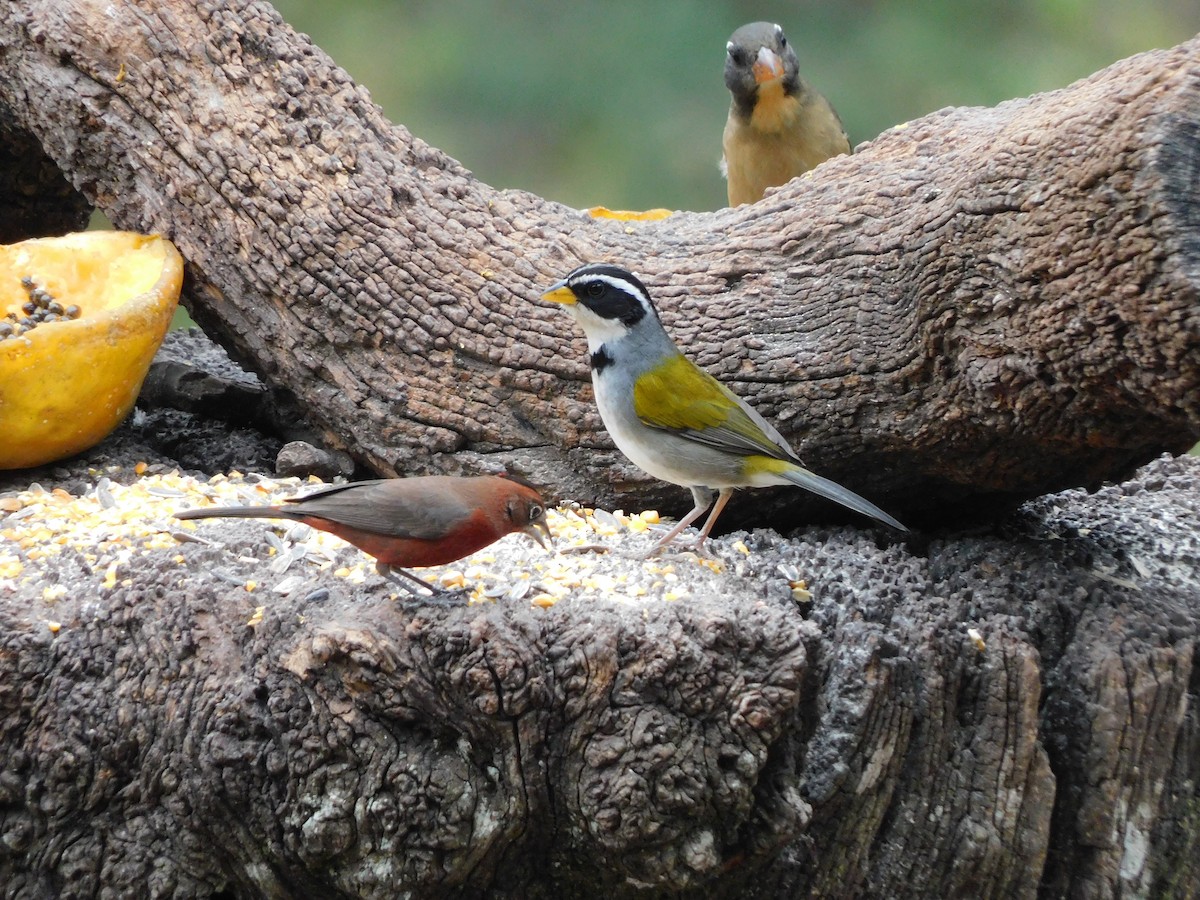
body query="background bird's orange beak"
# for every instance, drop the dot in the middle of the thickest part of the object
(559, 293)
(768, 66)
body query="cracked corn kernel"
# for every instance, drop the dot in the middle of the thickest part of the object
(256, 619)
(10, 566)
(600, 583)
(453, 579)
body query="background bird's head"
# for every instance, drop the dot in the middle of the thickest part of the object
(757, 57)
(607, 301)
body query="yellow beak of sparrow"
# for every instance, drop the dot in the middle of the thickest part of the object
(560, 293)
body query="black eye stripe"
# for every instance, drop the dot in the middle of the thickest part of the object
(610, 302)
(610, 292)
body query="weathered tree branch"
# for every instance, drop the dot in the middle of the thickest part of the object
(720, 747)
(984, 303)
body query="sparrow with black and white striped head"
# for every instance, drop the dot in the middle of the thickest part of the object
(670, 417)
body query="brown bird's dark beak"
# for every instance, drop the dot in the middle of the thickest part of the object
(767, 67)
(540, 532)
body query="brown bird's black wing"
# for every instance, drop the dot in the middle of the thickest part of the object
(397, 507)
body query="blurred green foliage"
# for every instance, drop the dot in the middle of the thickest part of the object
(621, 102)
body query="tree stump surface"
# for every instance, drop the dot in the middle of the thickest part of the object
(732, 744)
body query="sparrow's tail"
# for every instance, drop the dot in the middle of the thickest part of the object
(811, 481)
(237, 512)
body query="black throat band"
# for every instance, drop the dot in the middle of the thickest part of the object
(601, 360)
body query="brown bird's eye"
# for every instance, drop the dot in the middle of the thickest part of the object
(535, 511)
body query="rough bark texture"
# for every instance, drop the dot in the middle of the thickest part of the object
(866, 745)
(35, 199)
(982, 304)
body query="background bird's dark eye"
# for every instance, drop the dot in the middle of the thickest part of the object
(595, 289)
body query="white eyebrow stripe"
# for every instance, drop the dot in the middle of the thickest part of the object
(620, 283)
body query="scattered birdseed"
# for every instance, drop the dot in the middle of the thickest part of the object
(288, 585)
(104, 496)
(186, 537)
(598, 555)
(10, 566)
(791, 574)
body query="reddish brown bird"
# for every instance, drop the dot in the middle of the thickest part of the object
(429, 520)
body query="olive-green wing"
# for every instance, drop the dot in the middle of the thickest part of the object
(682, 398)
